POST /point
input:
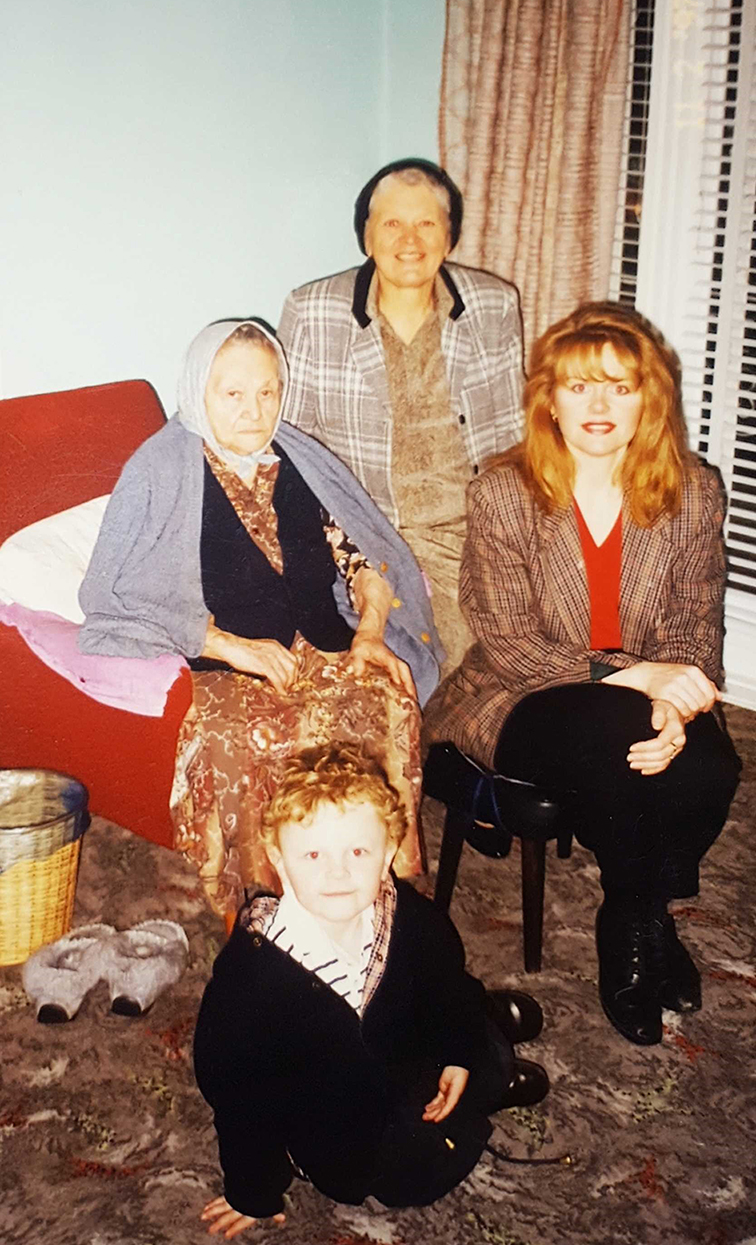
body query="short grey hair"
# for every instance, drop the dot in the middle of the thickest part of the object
(414, 177)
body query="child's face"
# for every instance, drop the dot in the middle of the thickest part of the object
(334, 862)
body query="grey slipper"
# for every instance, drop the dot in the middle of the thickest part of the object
(142, 962)
(58, 976)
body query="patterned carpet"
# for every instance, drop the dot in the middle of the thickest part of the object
(105, 1140)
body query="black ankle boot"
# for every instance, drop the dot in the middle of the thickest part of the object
(629, 954)
(680, 989)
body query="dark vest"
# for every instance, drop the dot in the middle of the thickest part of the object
(243, 591)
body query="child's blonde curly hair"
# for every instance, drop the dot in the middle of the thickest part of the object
(334, 774)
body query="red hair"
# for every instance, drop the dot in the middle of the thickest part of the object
(332, 774)
(653, 467)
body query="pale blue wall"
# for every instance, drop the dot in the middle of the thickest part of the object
(167, 162)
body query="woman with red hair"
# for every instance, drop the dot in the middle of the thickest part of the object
(593, 578)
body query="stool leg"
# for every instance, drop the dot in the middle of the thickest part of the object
(533, 873)
(564, 844)
(448, 861)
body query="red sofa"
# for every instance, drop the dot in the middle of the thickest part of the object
(60, 449)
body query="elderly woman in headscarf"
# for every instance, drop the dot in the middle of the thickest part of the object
(241, 543)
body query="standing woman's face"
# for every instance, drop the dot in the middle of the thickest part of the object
(243, 397)
(598, 416)
(407, 234)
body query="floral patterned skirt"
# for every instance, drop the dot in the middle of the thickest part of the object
(238, 733)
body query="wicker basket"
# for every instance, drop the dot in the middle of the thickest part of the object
(42, 818)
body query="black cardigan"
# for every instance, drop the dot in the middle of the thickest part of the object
(288, 1066)
(245, 594)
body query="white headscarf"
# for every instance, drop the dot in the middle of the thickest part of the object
(192, 412)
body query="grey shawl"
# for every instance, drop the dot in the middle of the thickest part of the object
(142, 594)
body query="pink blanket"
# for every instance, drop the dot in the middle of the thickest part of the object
(132, 683)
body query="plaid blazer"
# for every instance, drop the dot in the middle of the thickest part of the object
(523, 587)
(338, 390)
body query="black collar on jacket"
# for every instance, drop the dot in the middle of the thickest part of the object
(362, 288)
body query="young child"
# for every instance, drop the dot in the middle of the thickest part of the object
(340, 1037)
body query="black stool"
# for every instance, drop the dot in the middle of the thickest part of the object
(525, 812)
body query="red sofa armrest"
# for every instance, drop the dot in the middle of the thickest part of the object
(60, 449)
(125, 760)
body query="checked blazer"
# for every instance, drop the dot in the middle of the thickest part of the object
(338, 388)
(523, 588)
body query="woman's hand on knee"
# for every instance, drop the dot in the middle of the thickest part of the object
(685, 687)
(266, 658)
(367, 650)
(223, 1218)
(652, 756)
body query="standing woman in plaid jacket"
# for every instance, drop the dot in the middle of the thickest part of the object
(593, 578)
(409, 369)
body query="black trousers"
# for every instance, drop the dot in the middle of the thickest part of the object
(648, 833)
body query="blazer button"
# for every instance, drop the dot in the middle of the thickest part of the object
(384, 567)
(425, 637)
(395, 603)
(257, 940)
(462, 419)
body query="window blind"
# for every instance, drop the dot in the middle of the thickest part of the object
(685, 252)
(624, 268)
(719, 357)
(727, 420)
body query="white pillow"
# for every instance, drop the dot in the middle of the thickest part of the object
(42, 565)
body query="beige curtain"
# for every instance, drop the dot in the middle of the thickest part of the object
(532, 106)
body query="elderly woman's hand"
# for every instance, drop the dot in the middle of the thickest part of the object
(369, 650)
(266, 658)
(373, 596)
(652, 756)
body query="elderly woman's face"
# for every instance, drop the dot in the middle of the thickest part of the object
(407, 234)
(243, 396)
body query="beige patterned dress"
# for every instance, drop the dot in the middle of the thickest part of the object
(430, 469)
(239, 731)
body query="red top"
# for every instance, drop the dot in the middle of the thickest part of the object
(603, 565)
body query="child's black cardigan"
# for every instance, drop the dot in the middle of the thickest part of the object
(290, 1069)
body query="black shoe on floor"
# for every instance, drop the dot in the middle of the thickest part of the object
(680, 989)
(516, 1014)
(629, 955)
(529, 1085)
